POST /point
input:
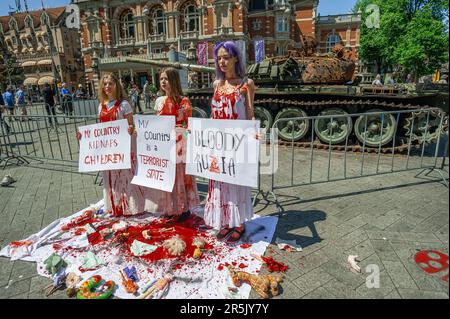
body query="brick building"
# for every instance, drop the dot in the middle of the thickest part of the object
(113, 29)
(29, 36)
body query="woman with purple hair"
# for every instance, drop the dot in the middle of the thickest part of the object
(229, 206)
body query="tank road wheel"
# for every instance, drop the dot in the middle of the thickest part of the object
(416, 126)
(372, 134)
(335, 131)
(265, 117)
(198, 112)
(292, 130)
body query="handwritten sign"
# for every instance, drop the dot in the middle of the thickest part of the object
(156, 161)
(223, 150)
(105, 146)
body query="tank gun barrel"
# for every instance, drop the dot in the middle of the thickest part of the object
(176, 65)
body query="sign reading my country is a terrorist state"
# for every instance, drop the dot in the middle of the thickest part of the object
(156, 151)
(224, 150)
(105, 146)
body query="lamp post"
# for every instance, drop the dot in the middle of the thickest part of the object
(52, 54)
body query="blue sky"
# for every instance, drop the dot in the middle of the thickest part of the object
(329, 7)
(326, 7)
(32, 4)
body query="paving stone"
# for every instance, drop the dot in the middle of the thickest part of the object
(14, 288)
(421, 294)
(384, 250)
(313, 280)
(342, 273)
(320, 293)
(399, 274)
(341, 290)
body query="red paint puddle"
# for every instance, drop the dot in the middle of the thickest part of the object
(273, 265)
(20, 243)
(432, 264)
(245, 246)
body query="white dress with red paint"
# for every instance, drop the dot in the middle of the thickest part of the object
(228, 205)
(120, 196)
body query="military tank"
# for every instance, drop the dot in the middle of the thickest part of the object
(305, 83)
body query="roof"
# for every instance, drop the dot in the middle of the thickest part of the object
(53, 13)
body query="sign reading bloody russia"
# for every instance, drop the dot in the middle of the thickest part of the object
(224, 150)
(155, 151)
(105, 146)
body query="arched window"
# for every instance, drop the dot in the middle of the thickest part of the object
(13, 24)
(158, 21)
(127, 28)
(332, 40)
(44, 19)
(191, 18)
(28, 22)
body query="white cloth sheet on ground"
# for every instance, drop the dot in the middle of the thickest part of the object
(206, 278)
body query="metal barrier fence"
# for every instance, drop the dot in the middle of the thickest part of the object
(52, 137)
(42, 137)
(419, 149)
(81, 107)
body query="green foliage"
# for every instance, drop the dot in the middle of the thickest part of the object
(10, 70)
(413, 34)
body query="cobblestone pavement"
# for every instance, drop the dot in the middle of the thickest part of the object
(385, 220)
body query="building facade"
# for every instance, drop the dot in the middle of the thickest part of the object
(114, 29)
(45, 48)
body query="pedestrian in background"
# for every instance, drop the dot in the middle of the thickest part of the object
(21, 103)
(66, 96)
(49, 101)
(8, 98)
(3, 110)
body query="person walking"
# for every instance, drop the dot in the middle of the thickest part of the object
(66, 98)
(8, 98)
(147, 94)
(49, 101)
(2, 121)
(21, 103)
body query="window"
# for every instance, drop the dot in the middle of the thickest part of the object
(256, 25)
(191, 19)
(257, 5)
(13, 24)
(28, 22)
(158, 22)
(282, 24)
(280, 50)
(127, 25)
(44, 18)
(332, 40)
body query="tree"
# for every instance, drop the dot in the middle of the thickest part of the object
(10, 72)
(412, 34)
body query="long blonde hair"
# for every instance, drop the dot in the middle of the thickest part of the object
(119, 94)
(176, 92)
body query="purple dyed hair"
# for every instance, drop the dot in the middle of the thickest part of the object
(233, 51)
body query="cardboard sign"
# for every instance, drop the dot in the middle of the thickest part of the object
(156, 152)
(224, 150)
(104, 146)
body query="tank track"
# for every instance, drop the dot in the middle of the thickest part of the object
(314, 105)
(317, 144)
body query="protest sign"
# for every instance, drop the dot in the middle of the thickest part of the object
(104, 146)
(223, 150)
(156, 161)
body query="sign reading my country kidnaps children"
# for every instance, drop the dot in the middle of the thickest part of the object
(224, 150)
(105, 146)
(156, 151)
